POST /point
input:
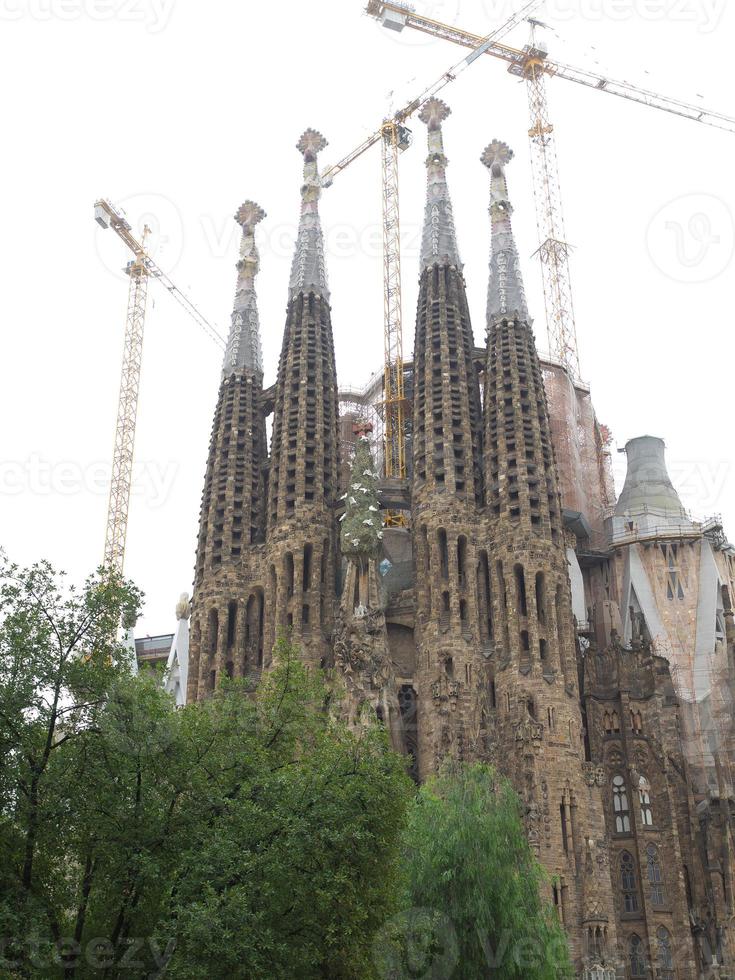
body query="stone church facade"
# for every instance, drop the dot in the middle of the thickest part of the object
(521, 615)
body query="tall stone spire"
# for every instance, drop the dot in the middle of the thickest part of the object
(227, 606)
(446, 487)
(505, 294)
(303, 477)
(439, 241)
(308, 270)
(243, 345)
(534, 652)
(447, 423)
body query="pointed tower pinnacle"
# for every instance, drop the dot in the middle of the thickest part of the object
(439, 240)
(308, 271)
(505, 294)
(243, 345)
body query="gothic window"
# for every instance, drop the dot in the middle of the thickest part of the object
(462, 560)
(628, 883)
(644, 796)
(655, 877)
(607, 723)
(636, 957)
(665, 954)
(620, 805)
(231, 624)
(306, 579)
(521, 590)
(674, 588)
(213, 631)
(289, 572)
(616, 723)
(540, 597)
(443, 553)
(636, 722)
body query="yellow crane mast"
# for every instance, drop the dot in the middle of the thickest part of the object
(140, 269)
(532, 63)
(395, 137)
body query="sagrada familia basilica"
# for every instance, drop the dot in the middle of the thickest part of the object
(517, 613)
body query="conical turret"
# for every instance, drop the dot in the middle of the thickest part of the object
(506, 295)
(243, 345)
(446, 401)
(648, 487)
(308, 269)
(439, 240)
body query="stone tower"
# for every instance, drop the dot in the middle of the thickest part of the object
(538, 730)
(446, 490)
(227, 610)
(303, 477)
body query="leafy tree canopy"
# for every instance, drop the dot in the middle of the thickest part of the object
(472, 906)
(249, 835)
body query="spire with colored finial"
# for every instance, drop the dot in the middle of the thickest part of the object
(439, 240)
(308, 271)
(243, 345)
(505, 295)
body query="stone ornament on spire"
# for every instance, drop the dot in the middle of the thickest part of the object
(505, 295)
(439, 239)
(243, 345)
(308, 271)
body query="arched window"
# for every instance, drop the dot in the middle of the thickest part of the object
(616, 723)
(607, 723)
(627, 882)
(636, 722)
(636, 956)
(443, 552)
(462, 560)
(521, 590)
(540, 597)
(644, 796)
(665, 955)
(621, 808)
(655, 877)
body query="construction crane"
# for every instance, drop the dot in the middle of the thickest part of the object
(140, 269)
(395, 137)
(533, 64)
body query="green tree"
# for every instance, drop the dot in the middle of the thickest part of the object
(249, 835)
(58, 658)
(296, 867)
(472, 888)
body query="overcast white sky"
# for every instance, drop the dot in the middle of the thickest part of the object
(180, 110)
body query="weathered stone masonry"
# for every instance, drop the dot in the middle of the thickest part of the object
(506, 622)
